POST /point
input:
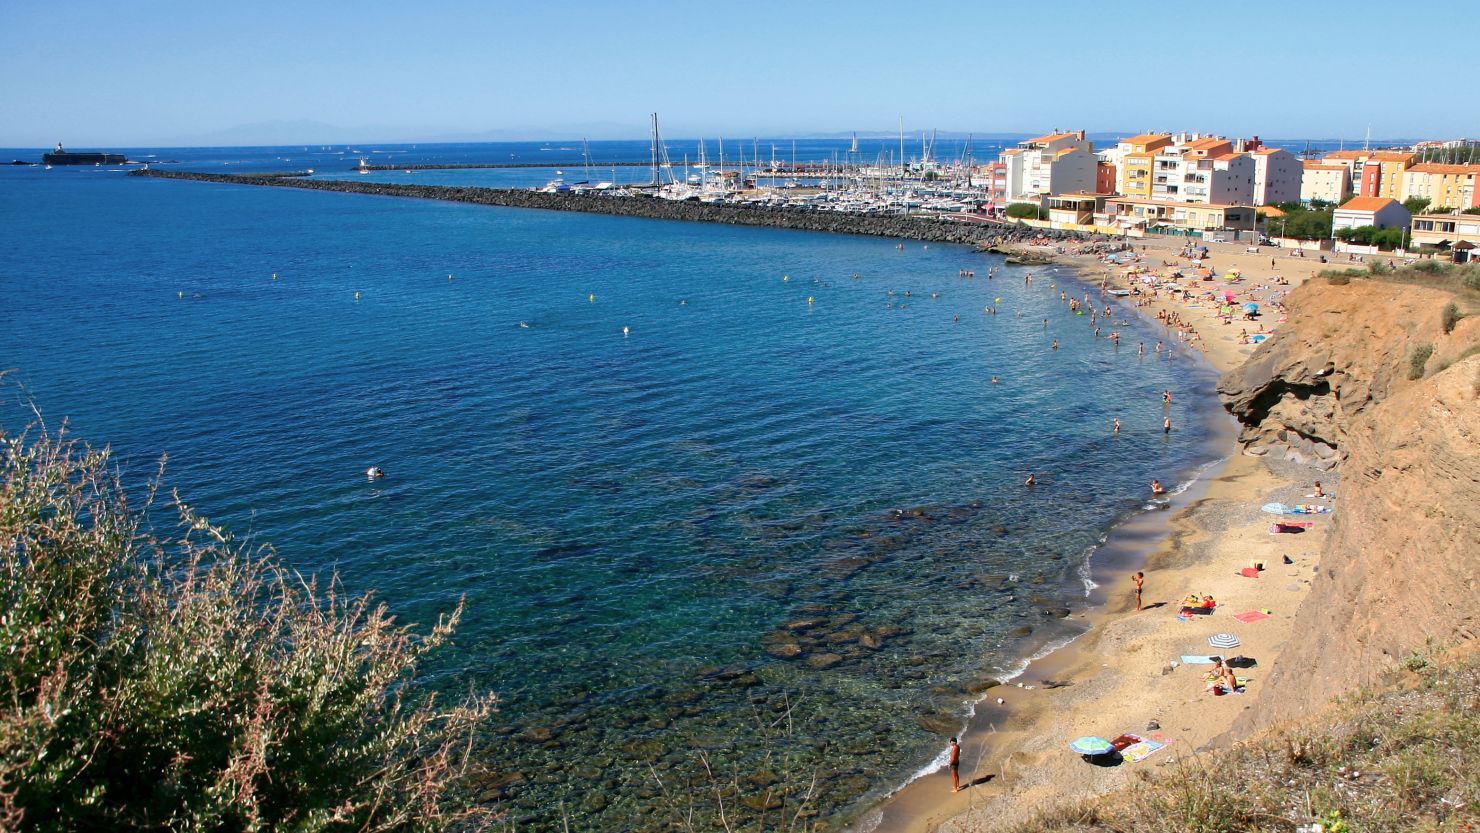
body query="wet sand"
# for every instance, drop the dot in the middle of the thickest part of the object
(1120, 674)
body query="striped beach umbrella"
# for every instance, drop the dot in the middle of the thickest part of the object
(1223, 640)
(1091, 746)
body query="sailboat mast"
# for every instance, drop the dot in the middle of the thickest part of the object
(655, 150)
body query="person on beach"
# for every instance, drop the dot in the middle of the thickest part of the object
(1140, 579)
(955, 766)
(1030, 481)
(1318, 491)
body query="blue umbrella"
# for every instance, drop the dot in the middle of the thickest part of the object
(1251, 307)
(1091, 746)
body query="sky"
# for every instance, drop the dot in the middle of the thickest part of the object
(110, 74)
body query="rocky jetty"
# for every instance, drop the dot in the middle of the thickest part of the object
(1364, 379)
(906, 227)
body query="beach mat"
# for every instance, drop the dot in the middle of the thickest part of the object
(1249, 572)
(1250, 616)
(1189, 659)
(1138, 752)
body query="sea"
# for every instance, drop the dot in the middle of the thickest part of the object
(736, 513)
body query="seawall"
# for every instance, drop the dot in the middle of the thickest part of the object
(907, 227)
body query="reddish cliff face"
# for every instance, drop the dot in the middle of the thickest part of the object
(1401, 567)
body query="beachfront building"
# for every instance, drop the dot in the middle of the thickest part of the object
(1379, 212)
(1446, 230)
(1374, 173)
(1078, 208)
(1319, 181)
(1277, 176)
(1131, 158)
(1055, 163)
(1445, 186)
(1135, 212)
(993, 178)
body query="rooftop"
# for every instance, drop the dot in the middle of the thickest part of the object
(1367, 204)
(1436, 168)
(1050, 137)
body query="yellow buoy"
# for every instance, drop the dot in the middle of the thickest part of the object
(809, 299)
(179, 295)
(591, 297)
(999, 300)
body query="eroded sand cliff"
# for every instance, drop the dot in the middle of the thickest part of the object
(1401, 569)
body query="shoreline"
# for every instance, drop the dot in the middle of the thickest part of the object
(1014, 754)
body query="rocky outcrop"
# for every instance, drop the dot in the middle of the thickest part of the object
(906, 227)
(1401, 567)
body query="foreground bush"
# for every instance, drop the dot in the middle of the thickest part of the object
(194, 685)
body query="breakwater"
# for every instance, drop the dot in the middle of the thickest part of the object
(984, 234)
(465, 166)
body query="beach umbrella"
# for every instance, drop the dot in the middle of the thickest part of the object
(1229, 295)
(1223, 640)
(1091, 746)
(1251, 307)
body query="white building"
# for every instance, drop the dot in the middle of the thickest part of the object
(1320, 181)
(1056, 163)
(1278, 176)
(1381, 212)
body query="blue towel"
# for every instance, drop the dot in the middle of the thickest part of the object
(1198, 660)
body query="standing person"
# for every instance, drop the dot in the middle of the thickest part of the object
(955, 766)
(1139, 578)
(1166, 425)
(1117, 425)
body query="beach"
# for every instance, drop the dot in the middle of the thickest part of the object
(1125, 675)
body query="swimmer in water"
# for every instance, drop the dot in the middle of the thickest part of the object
(1117, 425)
(994, 380)
(1166, 425)
(1157, 488)
(374, 473)
(1055, 344)
(1030, 481)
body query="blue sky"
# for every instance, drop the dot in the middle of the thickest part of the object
(122, 74)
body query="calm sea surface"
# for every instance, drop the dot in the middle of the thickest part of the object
(779, 521)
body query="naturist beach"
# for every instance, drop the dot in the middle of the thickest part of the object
(1126, 675)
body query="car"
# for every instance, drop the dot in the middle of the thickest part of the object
(1219, 239)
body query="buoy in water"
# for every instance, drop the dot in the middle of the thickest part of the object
(809, 299)
(626, 330)
(449, 277)
(180, 295)
(274, 276)
(357, 296)
(591, 297)
(999, 300)
(785, 278)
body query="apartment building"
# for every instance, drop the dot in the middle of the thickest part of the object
(1055, 163)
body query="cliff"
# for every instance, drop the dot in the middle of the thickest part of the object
(1344, 385)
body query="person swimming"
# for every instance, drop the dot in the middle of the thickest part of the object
(1157, 488)
(1030, 481)
(374, 473)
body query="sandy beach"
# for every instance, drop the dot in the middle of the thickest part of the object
(1126, 674)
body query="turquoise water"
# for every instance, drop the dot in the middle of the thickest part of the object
(790, 534)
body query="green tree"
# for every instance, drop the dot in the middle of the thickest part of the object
(193, 684)
(1416, 205)
(1023, 211)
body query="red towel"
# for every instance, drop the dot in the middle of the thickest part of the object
(1251, 616)
(1249, 572)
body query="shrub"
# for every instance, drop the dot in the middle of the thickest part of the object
(1471, 279)
(1338, 279)
(1022, 211)
(1449, 317)
(1429, 267)
(1417, 359)
(193, 684)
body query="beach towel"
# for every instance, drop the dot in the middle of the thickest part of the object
(1250, 616)
(1249, 572)
(1142, 750)
(1193, 659)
